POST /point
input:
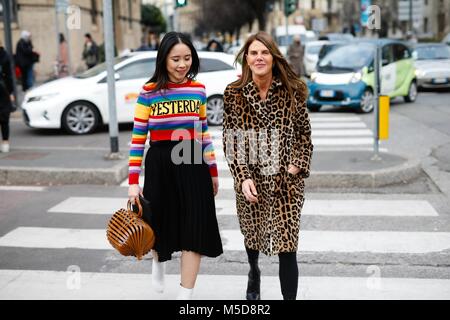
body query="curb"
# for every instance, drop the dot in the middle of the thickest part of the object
(403, 173)
(62, 176)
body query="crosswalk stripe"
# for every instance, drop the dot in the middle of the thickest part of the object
(357, 241)
(310, 241)
(342, 208)
(341, 141)
(335, 119)
(22, 188)
(336, 125)
(338, 208)
(341, 133)
(67, 285)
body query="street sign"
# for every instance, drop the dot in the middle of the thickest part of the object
(365, 4)
(404, 10)
(61, 5)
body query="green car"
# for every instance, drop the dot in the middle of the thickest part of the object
(345, 76)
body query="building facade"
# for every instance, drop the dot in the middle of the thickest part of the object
(81, 17)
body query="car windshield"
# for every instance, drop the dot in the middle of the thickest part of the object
(283, 41)
(98, 69)
(349, 58)
(313, 49)
(433, 52)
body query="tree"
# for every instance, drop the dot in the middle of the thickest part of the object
(152, 18)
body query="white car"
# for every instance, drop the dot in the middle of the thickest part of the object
(311, 56)
(432, 62)
(80, 103)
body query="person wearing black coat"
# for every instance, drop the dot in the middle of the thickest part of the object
(25, 58)
(6, 97)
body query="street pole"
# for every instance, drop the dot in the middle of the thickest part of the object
(8, 43)
(377, 90)
(411, 16)
(109, 56)
(67, 32)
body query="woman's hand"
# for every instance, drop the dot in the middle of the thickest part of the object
(293, 169)
(134, 191)
(215, 182)
(249, 191)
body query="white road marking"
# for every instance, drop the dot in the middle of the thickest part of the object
(22, 188)
(310, 241)
(70, 285)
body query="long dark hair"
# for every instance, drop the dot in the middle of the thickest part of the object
(281, 68)
(161, 76)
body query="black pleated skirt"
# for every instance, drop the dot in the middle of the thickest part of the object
(179, 188)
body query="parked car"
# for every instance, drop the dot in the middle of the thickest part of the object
(432, 61)
(345, 76)
(337, 37)
(311, 55)
(80, 103)
(446, 39)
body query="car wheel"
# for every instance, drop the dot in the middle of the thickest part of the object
(367, 102)
(214, 110)
(314, 107)
(80, 118)
(412, 93)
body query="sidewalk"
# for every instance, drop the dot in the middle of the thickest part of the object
(330, 169)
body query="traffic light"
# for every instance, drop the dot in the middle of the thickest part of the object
(180, 3)
(290, 6)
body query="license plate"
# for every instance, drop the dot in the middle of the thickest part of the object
(327, 93)
(440, 80)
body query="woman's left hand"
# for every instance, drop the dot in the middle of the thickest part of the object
(215, 182)
(293, 169)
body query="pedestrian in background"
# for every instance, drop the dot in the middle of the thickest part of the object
(268, 99)
(25, 59)
(63, 62)
(144, 46)
(172, 108)
(295, 55)
(90, 51)
(6, 97)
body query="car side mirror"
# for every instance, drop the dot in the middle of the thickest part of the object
(384, 62)
(415, 56)
(116, 76)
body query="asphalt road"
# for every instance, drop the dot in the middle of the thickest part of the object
(400, 231)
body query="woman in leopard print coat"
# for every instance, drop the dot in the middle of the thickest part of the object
(267, 143)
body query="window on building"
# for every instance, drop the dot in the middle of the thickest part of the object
(94, 11)
(13, 11)
(313, 4)
(130, 14)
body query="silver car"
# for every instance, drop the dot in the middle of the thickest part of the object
(432, 65)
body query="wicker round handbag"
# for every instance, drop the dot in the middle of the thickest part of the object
(129, 233)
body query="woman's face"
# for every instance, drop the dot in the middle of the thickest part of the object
(179, 62)
(259, 59)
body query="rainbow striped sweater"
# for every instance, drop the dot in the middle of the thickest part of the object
(173, 114)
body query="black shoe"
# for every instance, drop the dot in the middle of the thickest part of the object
(254, 286)
(289, 297)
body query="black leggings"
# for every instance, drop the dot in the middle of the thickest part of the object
(5, 130)
(288, 271)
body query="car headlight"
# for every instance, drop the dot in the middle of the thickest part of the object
(42, 97)
(313, 76)
(420, 73)
(356, 77)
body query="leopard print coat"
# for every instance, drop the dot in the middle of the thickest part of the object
(272, 225)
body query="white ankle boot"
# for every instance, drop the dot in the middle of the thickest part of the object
(184, 293)
(5, 147)
(158, 271)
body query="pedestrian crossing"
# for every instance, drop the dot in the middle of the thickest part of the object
(25, 284)
(383, 244)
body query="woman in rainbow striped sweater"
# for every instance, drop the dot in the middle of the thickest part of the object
(180, 169)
